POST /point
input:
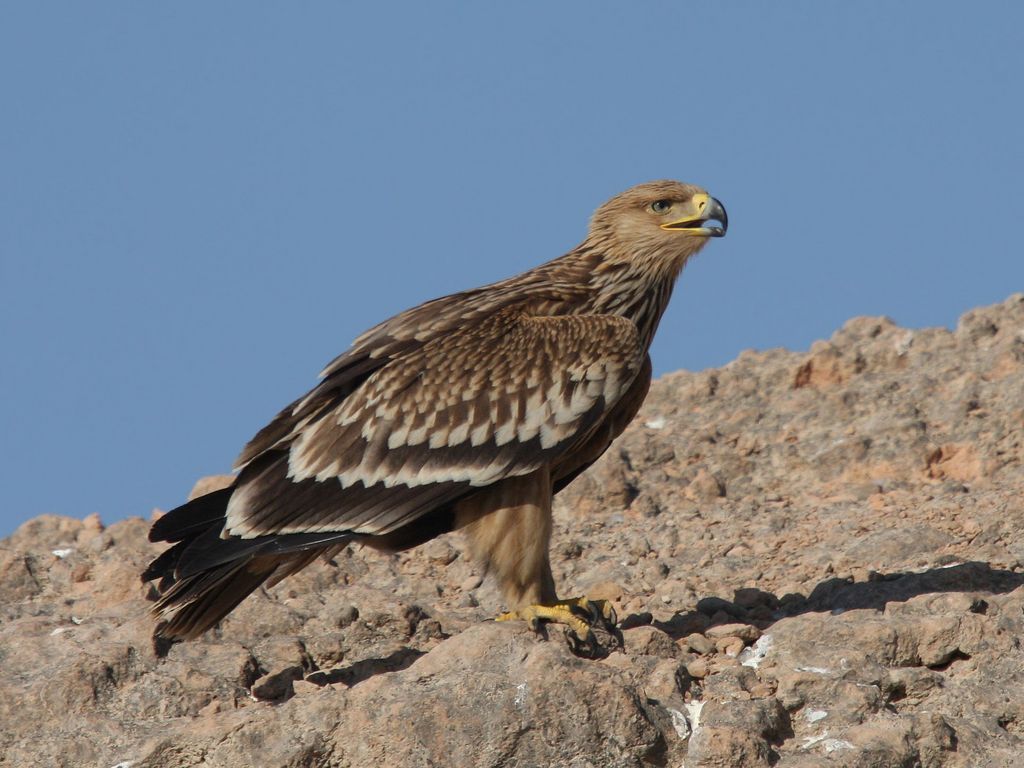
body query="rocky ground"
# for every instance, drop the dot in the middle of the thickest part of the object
(818, 559)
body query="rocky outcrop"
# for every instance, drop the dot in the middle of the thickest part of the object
(818, 559)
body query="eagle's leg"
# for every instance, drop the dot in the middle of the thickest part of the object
(508, 527)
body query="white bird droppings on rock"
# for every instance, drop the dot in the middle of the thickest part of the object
(815, 670)
(829, 744)
(810, 741)
(693, 709)
(755, 654)
(679, 723)
(814, 715)
(902, 344)
(520, 699)
(833, 745)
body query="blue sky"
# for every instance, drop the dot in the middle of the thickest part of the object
(202, 204)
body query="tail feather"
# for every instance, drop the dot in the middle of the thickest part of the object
(300, 561)
(209, 550)
(203, 577)
(195, 604)
(193, 517)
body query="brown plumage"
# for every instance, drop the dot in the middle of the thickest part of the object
(467, 412)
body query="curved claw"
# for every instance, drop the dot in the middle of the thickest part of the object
(603, 613)
(587, 647)
(584, 610)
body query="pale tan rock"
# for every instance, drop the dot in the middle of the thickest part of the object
(305, 688)
(875, 600)
(698, 668)
(470, 583)
(745, 632)
(605, 590)
(699, 643)
(705, 487)
(666, 682)
(209, 484)
(729, 646)
(494, 690)
(649, 641)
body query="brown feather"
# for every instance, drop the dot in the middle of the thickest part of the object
(469, 410)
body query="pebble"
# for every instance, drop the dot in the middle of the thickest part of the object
(699, 643)
(746, 632)
(345, 615)
(730, 646)
(605, 590)
(698, 669)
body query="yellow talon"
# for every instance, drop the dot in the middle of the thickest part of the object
(558, 613)
(579, 614)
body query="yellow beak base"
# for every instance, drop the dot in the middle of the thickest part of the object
(705, 209)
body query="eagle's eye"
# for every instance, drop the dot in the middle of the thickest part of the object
(661, 206)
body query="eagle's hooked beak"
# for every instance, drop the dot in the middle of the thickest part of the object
(705, 208)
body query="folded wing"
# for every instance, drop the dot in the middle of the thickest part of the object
(463, 410)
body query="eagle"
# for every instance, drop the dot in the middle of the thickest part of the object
(468, 412)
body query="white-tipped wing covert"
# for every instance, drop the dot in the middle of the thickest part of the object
(464, 410)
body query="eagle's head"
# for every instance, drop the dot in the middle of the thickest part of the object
(663, 222)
